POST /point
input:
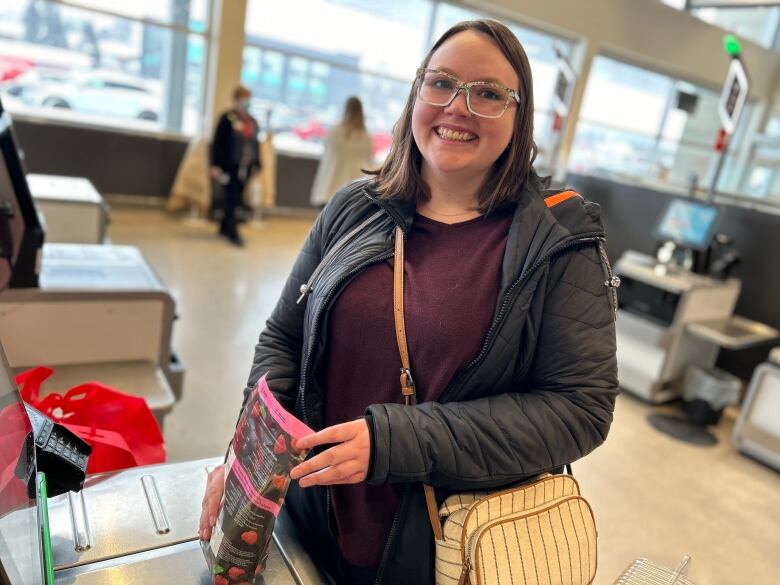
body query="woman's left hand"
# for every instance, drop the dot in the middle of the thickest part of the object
(345, 462)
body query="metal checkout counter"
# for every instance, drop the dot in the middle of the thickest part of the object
(670, 317)
(90, 311)
(133, 527)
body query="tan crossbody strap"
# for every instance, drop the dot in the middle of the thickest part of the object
(407, 381)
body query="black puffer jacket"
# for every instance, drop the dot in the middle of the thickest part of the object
(540, 393)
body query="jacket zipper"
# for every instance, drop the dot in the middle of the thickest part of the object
(612, 280)
(391, 212)
(304, 369)
(505, 303)
(315, 327)
(390, 537)
(306, 288)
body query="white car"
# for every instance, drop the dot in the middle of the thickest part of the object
(91, 92)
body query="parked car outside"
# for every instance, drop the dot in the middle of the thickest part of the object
(93, 92)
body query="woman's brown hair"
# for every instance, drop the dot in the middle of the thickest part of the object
(399, 176)
(353, 119)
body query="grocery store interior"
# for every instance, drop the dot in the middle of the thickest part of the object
(119, 268)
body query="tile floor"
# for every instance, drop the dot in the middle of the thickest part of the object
(652, 496)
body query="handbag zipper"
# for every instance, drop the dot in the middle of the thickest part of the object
(505, 303)
(474, 539)
(464, 574)
(526, 486)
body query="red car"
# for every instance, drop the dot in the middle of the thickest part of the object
(311, 130)
(382, 143)
(13, 67)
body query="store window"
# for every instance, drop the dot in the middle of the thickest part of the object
(371, 50)
(641, 124)
(756, 23)
(762, 171)
(301, 75)
(136, 65)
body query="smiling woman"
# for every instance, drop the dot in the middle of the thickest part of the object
(497, 141)
(511, 368)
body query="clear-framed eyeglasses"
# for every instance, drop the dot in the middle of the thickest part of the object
(483, 98)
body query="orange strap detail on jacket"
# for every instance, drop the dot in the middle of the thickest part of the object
(554, 200)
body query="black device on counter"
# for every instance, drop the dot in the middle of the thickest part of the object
(722, 256)
(61, 454)
(21, 226)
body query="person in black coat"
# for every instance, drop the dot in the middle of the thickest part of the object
(235, 155)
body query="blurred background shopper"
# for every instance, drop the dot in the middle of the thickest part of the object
(348, 150)
(235, 155)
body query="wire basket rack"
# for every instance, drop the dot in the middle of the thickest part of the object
(645, 572)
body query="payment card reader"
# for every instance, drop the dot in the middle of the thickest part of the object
(60, 453)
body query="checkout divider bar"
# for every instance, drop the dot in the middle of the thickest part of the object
(161, 523)
(82, 535)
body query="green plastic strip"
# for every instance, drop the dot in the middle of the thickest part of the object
(47, 566)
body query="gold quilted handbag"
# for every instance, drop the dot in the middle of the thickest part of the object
(539, 533)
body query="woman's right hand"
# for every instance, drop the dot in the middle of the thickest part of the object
(215, 486)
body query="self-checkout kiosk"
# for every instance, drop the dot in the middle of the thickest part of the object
(90, 311)
(134, 526)
(677, 309)
(74, 211)
(757, 431)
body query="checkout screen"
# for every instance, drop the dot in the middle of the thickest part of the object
(11, 230)
(20, 561)
(687, 223)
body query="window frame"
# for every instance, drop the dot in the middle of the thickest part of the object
(41, 115)
(738, 140)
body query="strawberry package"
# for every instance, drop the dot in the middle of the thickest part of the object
(257, 474)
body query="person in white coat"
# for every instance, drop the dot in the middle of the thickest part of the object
(348, 150)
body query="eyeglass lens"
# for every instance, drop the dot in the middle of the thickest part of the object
(484, 99)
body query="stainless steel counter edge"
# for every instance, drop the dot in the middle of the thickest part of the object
(138, 542)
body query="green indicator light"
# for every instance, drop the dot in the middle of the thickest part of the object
(732, 45)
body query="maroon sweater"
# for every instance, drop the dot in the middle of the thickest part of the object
(451, 282)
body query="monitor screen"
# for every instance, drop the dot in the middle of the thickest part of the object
(689, 224)
(20, 539)
(21, 228)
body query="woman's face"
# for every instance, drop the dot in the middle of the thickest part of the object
(469, 56)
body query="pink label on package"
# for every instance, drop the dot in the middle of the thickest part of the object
(251, 491)
(288, 422)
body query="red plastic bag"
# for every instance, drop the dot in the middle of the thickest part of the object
(119, 427)
(14, 466)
